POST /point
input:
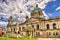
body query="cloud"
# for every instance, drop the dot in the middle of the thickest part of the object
(46, 16)
(54, 0)
(41, 3)
(13, 7)
(3, 24)
(44, 3)
(49, 14)
(58, 8)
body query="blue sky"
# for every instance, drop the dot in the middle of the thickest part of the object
(51, 8)
(13, 8)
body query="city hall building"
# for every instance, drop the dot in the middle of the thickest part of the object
(36, 26)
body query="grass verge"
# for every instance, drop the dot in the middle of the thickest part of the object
(24, 38)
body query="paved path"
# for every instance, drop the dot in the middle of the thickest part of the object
(48, 38)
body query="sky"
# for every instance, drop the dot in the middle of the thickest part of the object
(53, 8)
(19, 9)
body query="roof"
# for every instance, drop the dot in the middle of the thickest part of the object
(30, 20)
(36, 8)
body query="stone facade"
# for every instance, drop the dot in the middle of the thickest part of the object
(36, 26)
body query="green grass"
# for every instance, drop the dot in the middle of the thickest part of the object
(24, 38)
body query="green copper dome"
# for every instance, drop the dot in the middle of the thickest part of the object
(36, 9)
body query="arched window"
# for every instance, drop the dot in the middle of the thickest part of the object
(19, 28)
(15, 32)
(14, 29)
(47, 26)
(54, 26)
(11, 30)
(32, 26)
(18, 32)
(23, 28)
(37, 27)
(56, 33)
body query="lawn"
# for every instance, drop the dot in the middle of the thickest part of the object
(25, 38)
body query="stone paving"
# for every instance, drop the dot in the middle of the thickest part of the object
(48, 38)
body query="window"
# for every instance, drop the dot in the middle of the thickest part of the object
(23, 27)
(32, 26)
(47, 26)
(48, 33)
(19, 28)
(18, 32)
(37, 27)
(14, 29)
(56, 33)
(53, 33)
(28, 34)
(15, 32)
(37, 34)
(11, 29)
(54, 26)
